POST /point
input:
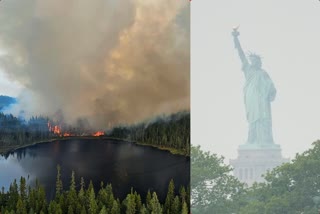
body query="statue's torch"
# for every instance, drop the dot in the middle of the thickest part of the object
(235, 31)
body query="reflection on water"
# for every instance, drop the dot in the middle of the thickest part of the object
(125, 165)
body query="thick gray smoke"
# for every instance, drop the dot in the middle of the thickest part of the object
(112, 61)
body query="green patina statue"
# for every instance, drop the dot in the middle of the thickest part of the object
(259, 92)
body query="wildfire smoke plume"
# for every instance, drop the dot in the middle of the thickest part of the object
(74, 56)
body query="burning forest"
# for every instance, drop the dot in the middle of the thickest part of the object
(171, 131)
(16, 132)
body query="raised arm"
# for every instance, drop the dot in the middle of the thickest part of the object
(237, 45)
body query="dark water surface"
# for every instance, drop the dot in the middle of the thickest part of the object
(122, 164)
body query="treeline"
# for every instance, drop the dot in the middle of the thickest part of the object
(292, 188)
(17, 132)
(22, 199)
(172, 131)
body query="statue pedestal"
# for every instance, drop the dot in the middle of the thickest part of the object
(255, 160)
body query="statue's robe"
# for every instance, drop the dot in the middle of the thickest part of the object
(259, 91)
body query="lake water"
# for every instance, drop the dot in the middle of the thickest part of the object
(122, 164)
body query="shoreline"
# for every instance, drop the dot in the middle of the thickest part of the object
(173, 151)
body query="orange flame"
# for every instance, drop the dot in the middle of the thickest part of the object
(57, 130)
(98, 133)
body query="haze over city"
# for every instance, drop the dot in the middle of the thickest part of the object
(286, 34)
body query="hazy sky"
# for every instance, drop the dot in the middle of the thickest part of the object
(111, 61)
(9, 87)
(287, 35)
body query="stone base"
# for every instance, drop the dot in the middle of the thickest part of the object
(254, 161)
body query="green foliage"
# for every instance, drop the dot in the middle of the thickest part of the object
(93, 207)
(148, 201)
(169, 199)
(105, 197)
(214, 190)
(130, 204)
(115, 207)
(81, 194)
(72, 194)
(54, 208)
(70, 210)
(23, 189)
(172, 131)
(290, 188)
(21, 207)
(22, 199)
(13, 195)
(155, 205)
(175, 207)
(184, 208)
(15, 132)
(103, 210)
(143, 210)
(59, 186)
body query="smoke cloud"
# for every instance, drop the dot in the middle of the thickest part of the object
(112, 61)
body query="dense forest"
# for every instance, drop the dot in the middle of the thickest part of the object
(17, 132)
(292, 188)
(171, 131)
(23, 199)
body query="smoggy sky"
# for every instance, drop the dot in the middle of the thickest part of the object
(112, 61)
(287, 35)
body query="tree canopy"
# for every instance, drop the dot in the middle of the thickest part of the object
(214, 189)
(23, 199)
(292, 188)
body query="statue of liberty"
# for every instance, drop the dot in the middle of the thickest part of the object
(259, 92)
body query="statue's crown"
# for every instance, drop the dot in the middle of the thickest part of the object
(251, 54)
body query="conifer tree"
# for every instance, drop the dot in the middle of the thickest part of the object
(23, 189)
(143, 210)
(102, 197)
(81, 194)
(148, 201)
(40, 198)
(175, 209)
(115, 207)
(155, 205)
(183, 194)
(130, 203)
(59, 186)
(184, 208)
(138, 202)
(103, 210)
(110, 197)
(83, 210)
(93, 207)
(21, 208)
(188, 196)
(70, 210)
(72, 194)
(14, 195)
(170, 197)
